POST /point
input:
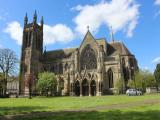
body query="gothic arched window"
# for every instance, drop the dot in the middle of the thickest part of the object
(131, 62)
(26, 39)
(124, 69)
(66, 66)
(52, 68)
(110, 78)
(29, 39)
(60, 68)
(88, 58)
(37, 46)
(123, 62)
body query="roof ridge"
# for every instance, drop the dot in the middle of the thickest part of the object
(120, 47)
(61, 49)
(125, 49)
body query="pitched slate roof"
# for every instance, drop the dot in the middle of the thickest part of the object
(117, 48)
(58, 54)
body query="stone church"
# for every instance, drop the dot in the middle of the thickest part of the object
(92, 69)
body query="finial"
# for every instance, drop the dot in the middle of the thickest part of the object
(111, 34)
(42, 21)
(88, 27)
(35, 17)
(35, 13)
(45, 49)
(25, 19)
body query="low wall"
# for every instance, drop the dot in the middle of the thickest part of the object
(150, 90)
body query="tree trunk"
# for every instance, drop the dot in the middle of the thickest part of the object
(4, 88)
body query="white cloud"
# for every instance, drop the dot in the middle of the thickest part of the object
(15, 30)
(58, 33)
(122, 15)
(157, 2)
(156, 60)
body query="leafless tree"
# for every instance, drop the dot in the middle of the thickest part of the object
(8, 65)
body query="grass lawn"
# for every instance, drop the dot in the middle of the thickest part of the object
(12, 106)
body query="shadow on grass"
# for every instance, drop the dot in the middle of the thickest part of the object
(18, 110)
(92, 115)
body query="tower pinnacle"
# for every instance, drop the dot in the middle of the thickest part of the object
(25, 19)
(111, 34)
(42, 21)
(88, 27)
(35, 17)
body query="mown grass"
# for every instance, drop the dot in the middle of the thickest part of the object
(138, 113)
(96, 115)
(10, 106)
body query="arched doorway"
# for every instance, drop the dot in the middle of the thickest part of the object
(110, 78)
(85, 88)
(77, 88)
(93, 88)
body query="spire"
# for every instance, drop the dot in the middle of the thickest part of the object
(87, 27)
(45, 49)
(111, 34)
(42, 21)
(25, 19)
(35, 17)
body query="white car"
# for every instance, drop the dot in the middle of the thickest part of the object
(131, 92)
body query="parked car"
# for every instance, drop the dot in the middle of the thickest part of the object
(131, 92)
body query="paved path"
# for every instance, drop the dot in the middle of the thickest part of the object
(107, 107)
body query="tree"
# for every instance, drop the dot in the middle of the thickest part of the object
(1, 83)
(142, 79)
(137, 82)
(131, 84)
(150, 80)
(157, 74)
(139, 79)
(119, 86)
(46, 83)
(8, 64)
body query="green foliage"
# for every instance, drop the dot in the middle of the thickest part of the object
(143, 79)
(137, 82)
(131, 84)
(150, 81)
(157, 74)
(119, 86)
(46, 83)
(139, 79)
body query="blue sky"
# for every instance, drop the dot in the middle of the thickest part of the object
(135, 22)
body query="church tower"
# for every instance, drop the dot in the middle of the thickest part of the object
(31, 55)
